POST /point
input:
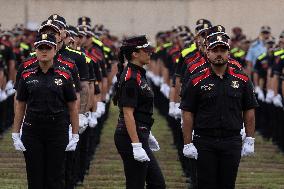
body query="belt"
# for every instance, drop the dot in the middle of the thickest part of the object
(50, 117)
(221, 133)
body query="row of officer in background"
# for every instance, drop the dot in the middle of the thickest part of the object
(71, 70)
(190, 56)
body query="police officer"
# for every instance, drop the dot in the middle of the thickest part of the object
(133, 138)
(216, 102)
(46, 96)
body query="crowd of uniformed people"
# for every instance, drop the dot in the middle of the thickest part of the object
(56, 84)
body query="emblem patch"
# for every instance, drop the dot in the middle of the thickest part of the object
(235, 84)
(207, 87)
(58, 82)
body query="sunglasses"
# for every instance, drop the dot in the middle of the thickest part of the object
(44, 47)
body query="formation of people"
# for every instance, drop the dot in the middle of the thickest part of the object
(56, 85)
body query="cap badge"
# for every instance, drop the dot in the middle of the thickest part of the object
(219, 28)
(84, 19)
(235, 84)
(44, 36)
(205, 25)
(49, 22)
(58, 82)
(54, 17)
(219, 38)
(201, 21)
(84, 22)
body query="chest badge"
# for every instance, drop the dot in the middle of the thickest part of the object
(207, 87)
(235, 84)
(58, 82)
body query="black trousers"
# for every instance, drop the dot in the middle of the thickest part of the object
(218, 161)
(45, 142)
(137, 173)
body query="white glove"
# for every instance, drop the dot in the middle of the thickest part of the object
(93, 119)
(190, 151)
(153, 143)
(3, 95)
(9, 88)
(260, 94)
(139, 153)
(177, 111)
(248, 147)
(172, 109)
(72, 143)
(101, 108)
(83, 123)
(277, 101)
(18, 144)
(243, 133)
(107, 97)
(269, 96)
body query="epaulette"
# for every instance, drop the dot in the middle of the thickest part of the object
(235, 63)
(29, 61)
(278, 52)
(192, 57)
(130, 74)
(166, 45)
(158, 49)
(24, 46)
(262, 56)
(239, 54)
(238, 74)
(72, 50)
(98, 42)
(201, 61)
(66, 61)
(26, 73)
(188, 50)
(198, 77)
(282, 57)
(107, 49)
(63, 72)
(234, 50)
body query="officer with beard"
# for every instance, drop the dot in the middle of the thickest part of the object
(215, 103)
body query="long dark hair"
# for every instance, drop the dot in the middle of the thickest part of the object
(125, 53)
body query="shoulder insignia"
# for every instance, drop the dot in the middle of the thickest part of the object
(235, 63)
(278, 52)
(63, 73)
(24, 46)
(28, 72)
(200, 76)
(98, 42)
(66, 62)
(238, 74)
(193, 58)
(29, 62)
(262, 56)
(72, 50)
(130, 74)
(196, 64)
(188, 50)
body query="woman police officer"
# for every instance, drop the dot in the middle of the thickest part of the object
(47, 103)
(133, 138)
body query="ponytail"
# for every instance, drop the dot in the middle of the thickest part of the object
(120, 68)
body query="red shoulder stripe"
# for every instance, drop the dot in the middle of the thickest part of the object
(91, 57)
(236, 63)
(173, 50)
(69, 64)
(194, 66)
(206, 74)
(97, 54)
(64, 74)
(239, 76)
(30, 62)
(27, 74)
(193, 58)
(138, 78)
(128, 74)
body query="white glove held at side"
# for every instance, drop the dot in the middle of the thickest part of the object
(139, 153)
(18, 144)
(190, 151)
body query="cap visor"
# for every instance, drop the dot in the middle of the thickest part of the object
(37, 44)
(149, 49)
(212, 46)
